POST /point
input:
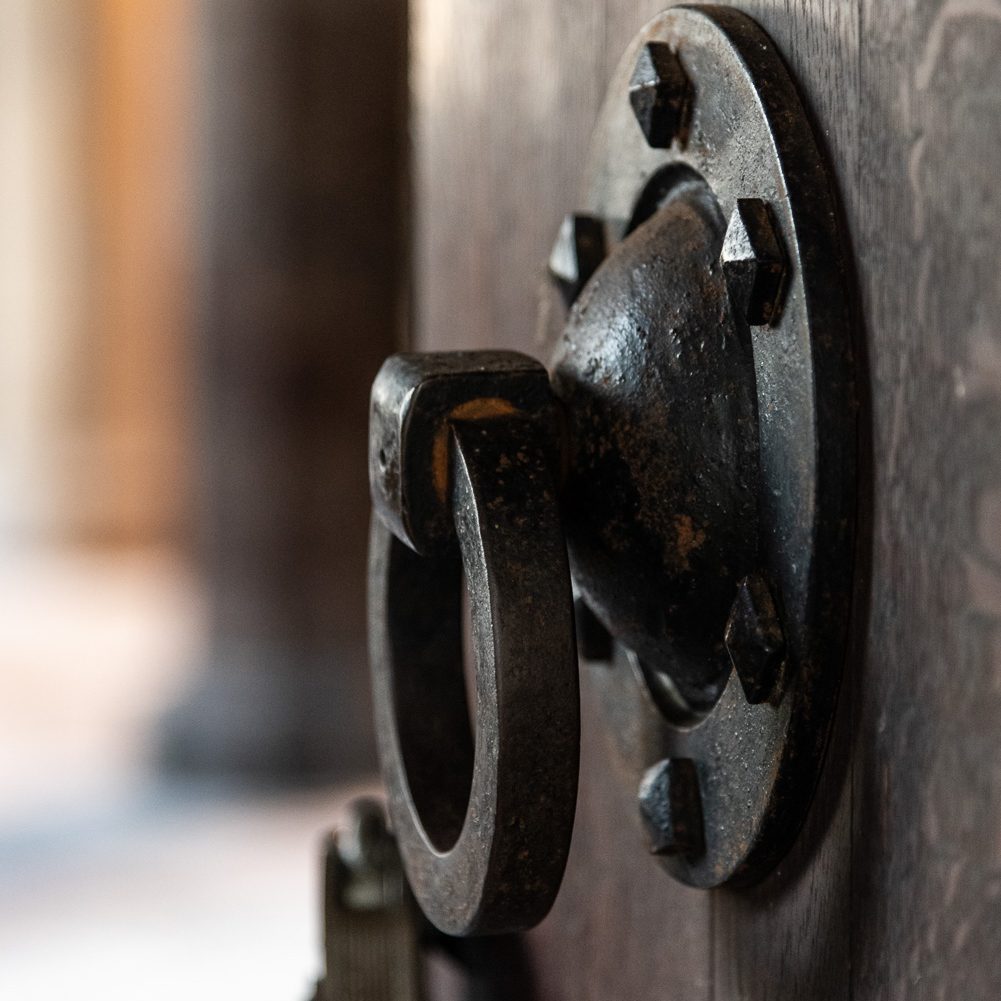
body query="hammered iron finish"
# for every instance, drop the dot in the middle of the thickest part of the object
(689, 455)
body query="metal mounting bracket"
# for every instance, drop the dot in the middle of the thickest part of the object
(706, 367)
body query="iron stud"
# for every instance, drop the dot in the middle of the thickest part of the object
(671, 807)
(754, 263)
(754, 639)
(659, 92)
(578, 252)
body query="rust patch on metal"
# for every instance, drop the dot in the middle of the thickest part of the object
(688, 537)
(482, 409)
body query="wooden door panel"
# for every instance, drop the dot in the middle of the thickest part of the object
(893, 889)
(505, 96)
(926, 770)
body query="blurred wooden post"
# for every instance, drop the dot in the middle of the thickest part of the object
(45, 265)
(137, 389)
(301, 141)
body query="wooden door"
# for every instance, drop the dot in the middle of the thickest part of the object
(893, 889)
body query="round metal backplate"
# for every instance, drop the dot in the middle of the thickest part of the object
(748, 136)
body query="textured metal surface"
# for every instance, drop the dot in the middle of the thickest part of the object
(463, 452)
(703, 444)
(706, 370)
(579, 249)
(659, 93)
(661, 496)
(671, 807)
(754, 639)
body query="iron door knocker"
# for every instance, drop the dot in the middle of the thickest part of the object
(692, 453)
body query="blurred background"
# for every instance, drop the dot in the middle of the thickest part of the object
(201, 267)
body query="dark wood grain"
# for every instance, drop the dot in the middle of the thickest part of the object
(927, 757)
(506, 95)
(893, 890)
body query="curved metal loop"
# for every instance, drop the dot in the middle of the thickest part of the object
(483, 818)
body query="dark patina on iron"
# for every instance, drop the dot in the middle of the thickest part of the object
(706, 371)
(464, 466)
(695, 454)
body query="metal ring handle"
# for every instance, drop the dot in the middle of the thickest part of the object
(483, 819)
